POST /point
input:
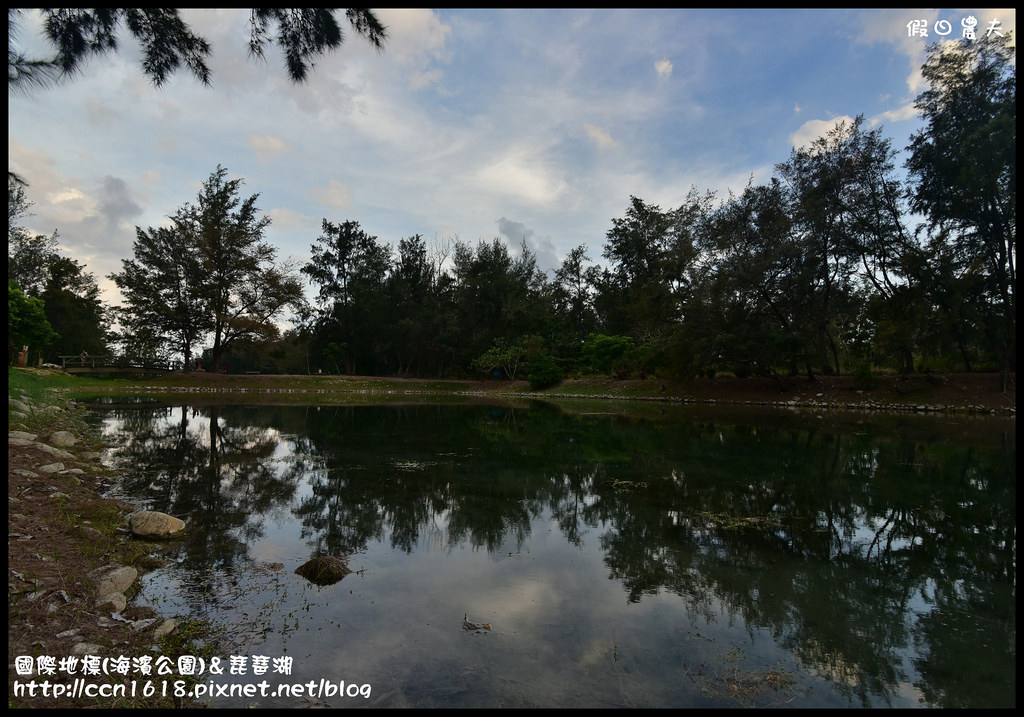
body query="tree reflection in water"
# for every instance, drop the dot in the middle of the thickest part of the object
(877, 554)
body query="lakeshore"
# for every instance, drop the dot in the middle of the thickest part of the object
(64, 531)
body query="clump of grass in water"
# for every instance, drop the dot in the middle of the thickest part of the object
(747, 687)
(731, 522)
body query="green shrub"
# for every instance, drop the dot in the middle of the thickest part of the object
(544, 372)
(863, 376)
(605, 354)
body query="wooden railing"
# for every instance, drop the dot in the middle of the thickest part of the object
(88, 362)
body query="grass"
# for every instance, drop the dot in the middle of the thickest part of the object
(37, 383)
(328, 384)
(354, 389)
(968, 393)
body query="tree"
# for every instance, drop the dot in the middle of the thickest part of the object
(963, 168)
(500, 356)
(68, 295)
(572, 293)
(881, 251)
(412, 301)
(335, 261)
(350, 268)
(751, 313)
(26, 323)
(138, 339)
(27, 255)
(497, 296)
(848, 217)
(303, 34)
(635, 296)
(24, 73)
(211, 272)
(607, 354)
(816, 186)
(74, 310)
(161, 289)
(306, 33)
(242, 288)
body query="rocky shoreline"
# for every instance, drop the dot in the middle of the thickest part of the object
(71, 571)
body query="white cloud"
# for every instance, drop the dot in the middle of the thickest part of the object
(102, 114)
(900, 114)
(521, 177)
(66, 206)
(663, 68)
(414, 34)
(66, 195)
(267, 146)
(150, 178)
(335, 195)
(416, 39)
(890, 27)
(600, 136)
(813, 129)
(288, 220)
(419, 80)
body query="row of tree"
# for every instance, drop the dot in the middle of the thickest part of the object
(817, 270)
(54, 304)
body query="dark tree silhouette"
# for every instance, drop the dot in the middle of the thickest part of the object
(303, 34)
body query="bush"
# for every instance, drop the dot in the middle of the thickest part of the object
(863, 376)
(544, 372)
(606, 353)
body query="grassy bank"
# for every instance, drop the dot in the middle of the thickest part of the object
(947, 393)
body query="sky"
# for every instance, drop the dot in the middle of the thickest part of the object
(528, 125)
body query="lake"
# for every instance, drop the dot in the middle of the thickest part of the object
(597, 554)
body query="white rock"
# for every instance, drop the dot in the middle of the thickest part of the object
(63, 439)
(116, 581)
(165, 628)
(55, 452)
(153, 524)
(112, 602)
(86, 648)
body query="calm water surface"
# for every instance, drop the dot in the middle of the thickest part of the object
(660, 556)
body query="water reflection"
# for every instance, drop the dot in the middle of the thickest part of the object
(879, 561)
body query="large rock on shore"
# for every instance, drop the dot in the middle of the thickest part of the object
(117, 580)
(63, 439)
(155, 525)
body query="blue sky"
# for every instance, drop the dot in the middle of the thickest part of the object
(533, 125)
